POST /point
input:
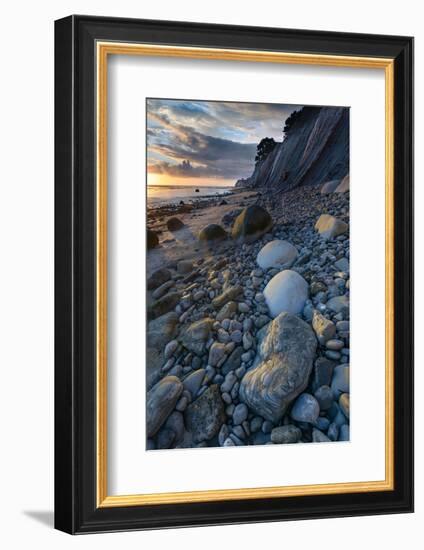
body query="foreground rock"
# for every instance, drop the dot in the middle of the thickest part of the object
(282, 367)
(212, 232)
(324, 328)
(329, 226)
(164, 305)
(253, 222)
(286, 434)
(161, 400)
(286, 291)
(276, 254)
(205, 416)
(174, 224)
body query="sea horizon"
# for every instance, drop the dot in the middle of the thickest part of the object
(158, 195)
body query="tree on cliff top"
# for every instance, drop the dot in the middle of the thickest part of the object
(265, 146)
(298, 117)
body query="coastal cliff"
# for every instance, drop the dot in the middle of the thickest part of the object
(315, 150)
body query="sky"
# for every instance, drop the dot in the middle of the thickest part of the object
(207, 142)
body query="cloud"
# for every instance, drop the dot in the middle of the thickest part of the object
(209, 139)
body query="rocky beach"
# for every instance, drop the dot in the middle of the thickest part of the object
(248, 306)
(248, 331)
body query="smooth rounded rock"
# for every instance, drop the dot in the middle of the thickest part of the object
(212, 232)
(174, 224)
(286, 291)
(253, 222)
(276, 254)
(305, 409)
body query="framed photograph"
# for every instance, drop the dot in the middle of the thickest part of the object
(234, 274)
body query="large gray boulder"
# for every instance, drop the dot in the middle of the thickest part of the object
(281, 370)
(276, 254)
(253, 222)
(286, 291)
(161, 400)
(329, 226)
(205, 416)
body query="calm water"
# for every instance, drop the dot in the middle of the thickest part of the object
(160, 194)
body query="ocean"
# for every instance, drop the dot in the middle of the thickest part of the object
(158, 195)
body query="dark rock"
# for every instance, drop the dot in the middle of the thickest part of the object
(233, 362)
(161, 330)
(282, 366)
(253, 222)
(212, 232)
(163, 305)
(205, 416)
(286, 434)
(323, 372)
(161, 400)
(319, 437)
(174, 224)
(152, 239)
(158, 277)
(305, 409)
(324, 396)
(193, 381)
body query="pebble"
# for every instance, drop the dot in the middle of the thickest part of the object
(247, 341)
(333, 355)
(240, 413)
(305, 409)
(170, 349)
(237, 336)
(267, 426)
(335, 345)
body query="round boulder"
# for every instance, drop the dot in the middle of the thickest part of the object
(173, 224)
(212, 232)
(286, 291)
(276, 254)
(253, 222)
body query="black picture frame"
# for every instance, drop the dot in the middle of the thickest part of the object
(76, 510)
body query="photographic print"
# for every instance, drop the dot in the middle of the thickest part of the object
(247, 274)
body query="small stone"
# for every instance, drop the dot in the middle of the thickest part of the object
(162, 289)
(170, 349)
(340, 382)
(305, 408)
(237, 336)
(286, 434)
(256, 424)
(324, 328)
(267, 426)
(229, 382)
(193, 381)
(243, 307)
(247, 341)
(226, 312)
(333, 431)
(332, 355)
(338, 304)
(240, 413)
(216, 353)
(324, 396)
(335, 345)
(224, 432)
(342, 265)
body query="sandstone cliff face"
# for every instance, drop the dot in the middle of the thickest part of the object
(315, 150)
